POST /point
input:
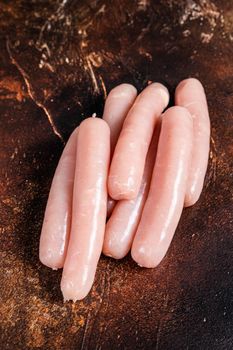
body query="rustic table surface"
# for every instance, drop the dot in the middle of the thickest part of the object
(58, 61)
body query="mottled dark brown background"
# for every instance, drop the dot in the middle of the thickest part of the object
(58, 59)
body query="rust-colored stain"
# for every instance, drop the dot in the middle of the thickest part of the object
(58, 61)
(10, 89)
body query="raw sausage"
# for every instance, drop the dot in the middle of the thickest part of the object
(119, 101)
(129, 157)
(190, 94)
(56, 225)
(122, 225)
(165, 200)
(88, 210)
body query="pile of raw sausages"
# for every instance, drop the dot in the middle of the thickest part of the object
(137, 166)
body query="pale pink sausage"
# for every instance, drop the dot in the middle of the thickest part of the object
(190, 94)
(165, 200)
(56, 225)
(128, 161)
(122, 225)
(88, 210)
(119, 101)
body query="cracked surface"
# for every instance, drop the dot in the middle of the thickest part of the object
(61, 61)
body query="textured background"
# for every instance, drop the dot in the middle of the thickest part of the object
(58, 60)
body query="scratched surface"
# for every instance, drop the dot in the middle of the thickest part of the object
(58, 60)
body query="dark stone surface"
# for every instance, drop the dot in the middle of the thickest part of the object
(58, 59)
